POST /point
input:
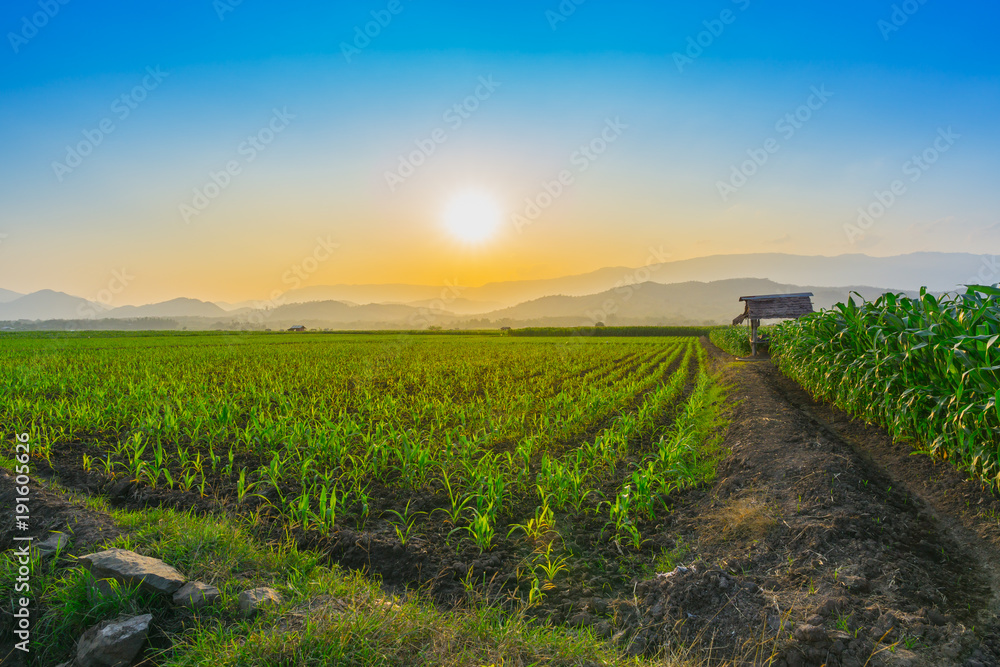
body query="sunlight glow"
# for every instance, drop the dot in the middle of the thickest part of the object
(472, 217)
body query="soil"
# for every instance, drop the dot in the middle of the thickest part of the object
(48, 511)
(52, 511)
(821, 541)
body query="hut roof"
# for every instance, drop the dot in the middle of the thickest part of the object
(775, 306)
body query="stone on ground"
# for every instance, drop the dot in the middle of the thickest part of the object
(255, 598)
(196, 595)
(129, 568)
(113, 643)
(56, 542)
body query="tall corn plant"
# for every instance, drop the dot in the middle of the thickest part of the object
(925, 368)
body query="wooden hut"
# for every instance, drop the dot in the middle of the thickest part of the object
(772, 307)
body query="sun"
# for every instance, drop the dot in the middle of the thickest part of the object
(472, 217)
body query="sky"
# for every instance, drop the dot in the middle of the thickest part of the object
(230, 150)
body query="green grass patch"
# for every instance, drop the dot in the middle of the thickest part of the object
(328, 617)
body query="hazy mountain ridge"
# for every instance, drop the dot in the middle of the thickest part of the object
(715, 302)
(48, 304)
(938, 272)
(181, 307)
(641, 304)
(52, 305)
(664, 293)
(6, 295)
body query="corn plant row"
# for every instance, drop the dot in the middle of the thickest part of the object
(567, 482)
(925, 368)
(683, 457)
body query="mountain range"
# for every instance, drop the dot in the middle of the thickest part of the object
(696, 291)
(939, 272)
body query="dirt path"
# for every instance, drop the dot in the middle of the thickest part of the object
(823, 542)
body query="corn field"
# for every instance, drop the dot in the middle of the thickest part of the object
(318, 430)
(925, 368)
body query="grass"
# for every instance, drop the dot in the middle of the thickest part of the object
(70, 605)
(355, 628)
(207, 549)
(668, 559)
(329, 616)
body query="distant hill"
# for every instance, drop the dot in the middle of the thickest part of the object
(51, 305)
(650, 303)
(363, 294)
(938, 271)
(47, 304)
(6, 295)
(457, 306)
(645, 303)
(333, 314)
(173, 308)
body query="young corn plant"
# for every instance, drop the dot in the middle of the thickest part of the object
(490, 499)
(108, 466)
(647, 484)
(363, 502)
(183, 456)
(535, 593)
(243, 487)
(404, 526)
(551, 568)
(297, 509)
(155, 469)
(214, 459)
(273, 474)
(415, 461)
(326, 514)
(480, 530)
(554, 482)
(620, 513)
(457, 503)
(135, 451)
(187, 479)
(230, 458)
(540, 529)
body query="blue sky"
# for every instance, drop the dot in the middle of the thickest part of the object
(562, 76)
